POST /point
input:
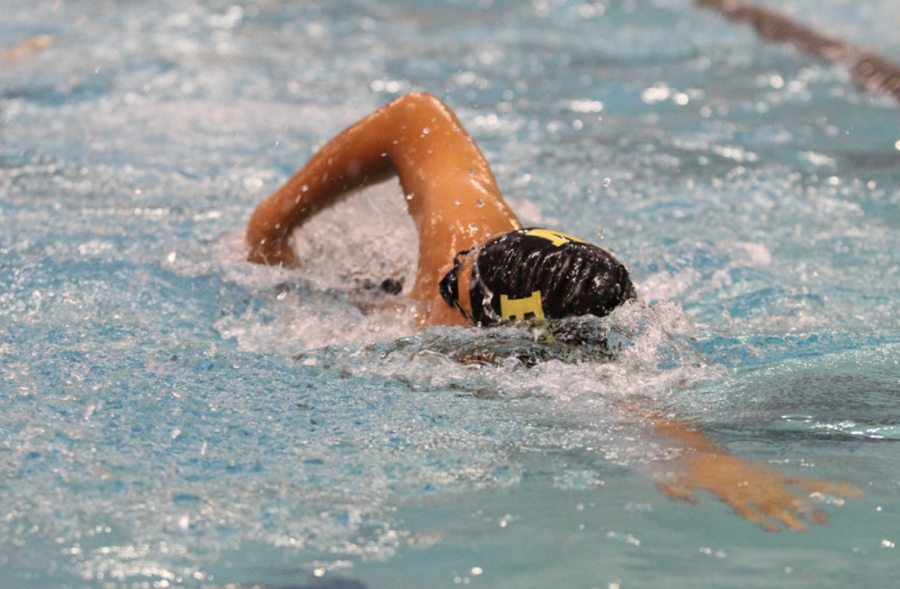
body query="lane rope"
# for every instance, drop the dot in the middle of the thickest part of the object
(871, 72)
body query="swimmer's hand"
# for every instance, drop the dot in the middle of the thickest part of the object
(277, 253)
(754, 492)
(269, 230)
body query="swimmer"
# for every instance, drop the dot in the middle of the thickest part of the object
(479, 266)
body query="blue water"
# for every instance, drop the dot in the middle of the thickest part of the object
(172, 416)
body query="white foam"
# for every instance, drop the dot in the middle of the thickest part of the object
(347, 251)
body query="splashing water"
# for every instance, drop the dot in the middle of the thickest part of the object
(175, 416)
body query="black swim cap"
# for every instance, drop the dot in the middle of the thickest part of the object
(540, 273)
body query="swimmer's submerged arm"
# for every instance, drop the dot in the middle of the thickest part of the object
(756, 493)
(416, 137)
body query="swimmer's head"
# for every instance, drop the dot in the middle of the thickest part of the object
(538, 273)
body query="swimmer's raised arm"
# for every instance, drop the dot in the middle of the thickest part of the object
(457, 209)
(449, 187)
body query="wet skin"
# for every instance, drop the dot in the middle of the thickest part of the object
(450, 191)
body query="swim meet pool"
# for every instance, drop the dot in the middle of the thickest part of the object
(173, 416)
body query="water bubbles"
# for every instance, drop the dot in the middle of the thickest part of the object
(389, 86)
(713, 552)
(656, 93)
(623, 537)
(479, 203)
(229, 20)
(662, 92)
(584, 106)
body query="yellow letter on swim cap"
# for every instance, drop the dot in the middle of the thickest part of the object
(556, 237)
(527, 308)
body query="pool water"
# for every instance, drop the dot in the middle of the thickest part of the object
(173, 416)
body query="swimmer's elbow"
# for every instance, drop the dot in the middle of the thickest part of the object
(421, 100)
